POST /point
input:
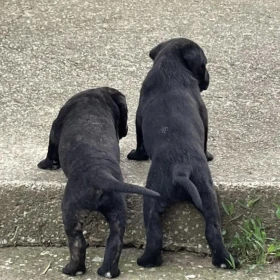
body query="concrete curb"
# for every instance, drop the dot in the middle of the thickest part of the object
(31, 216)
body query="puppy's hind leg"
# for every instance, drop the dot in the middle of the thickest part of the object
(140, 152)
(73, 225)
(213, 233)
(51, 162)
(152, 255)
(114, 210)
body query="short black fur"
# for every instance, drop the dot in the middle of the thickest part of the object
(84, 142)
(172, 128)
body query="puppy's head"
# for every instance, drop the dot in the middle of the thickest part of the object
(120, 101)
(190, 54)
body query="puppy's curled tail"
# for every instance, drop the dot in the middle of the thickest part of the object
(180, 177)
(112, 184)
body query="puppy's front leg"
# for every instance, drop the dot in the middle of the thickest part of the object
(51, 162)
(140, 152)
(152, 255)
(115, 213)
(209, 156)
(204, 117)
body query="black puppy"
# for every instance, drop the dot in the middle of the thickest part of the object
(172, 127)
(84, 142)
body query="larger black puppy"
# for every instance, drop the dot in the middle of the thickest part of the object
(84, 141)
(171, 127)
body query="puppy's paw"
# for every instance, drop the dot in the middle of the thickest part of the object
(137, 155)
(225, 262)
(104, 272)
(48, 164)
(71, 269)
(209, 156)
(149, 260)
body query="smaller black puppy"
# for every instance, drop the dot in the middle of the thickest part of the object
(84, 142)
(172, 128)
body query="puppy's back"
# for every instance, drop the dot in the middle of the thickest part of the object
(88, 134)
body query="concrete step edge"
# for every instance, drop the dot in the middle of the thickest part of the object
(31, 216)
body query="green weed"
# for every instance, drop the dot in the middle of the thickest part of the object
(252, 245)
(231, 262)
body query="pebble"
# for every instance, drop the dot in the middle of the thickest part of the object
(97, 259)
(192, 276)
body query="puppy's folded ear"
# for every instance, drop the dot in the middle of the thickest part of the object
(120, 100)
(195, 60)
(154, 52)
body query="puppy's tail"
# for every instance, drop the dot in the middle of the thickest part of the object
(118, 186)
(180, 177)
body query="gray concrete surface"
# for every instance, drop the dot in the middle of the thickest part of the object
(30, 263)
(52, 49)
